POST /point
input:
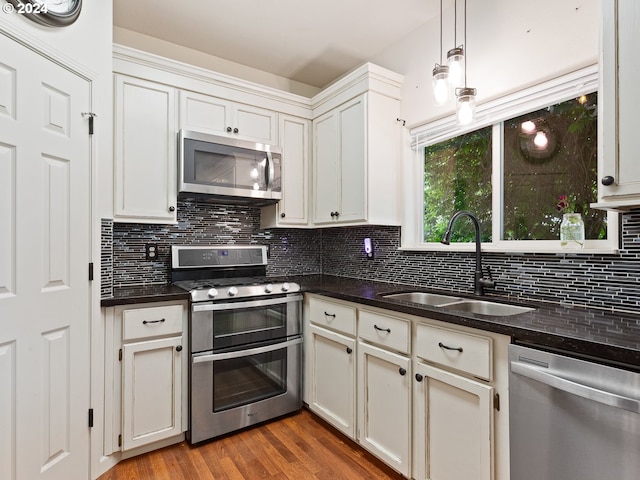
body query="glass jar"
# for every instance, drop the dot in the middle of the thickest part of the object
(572, 231)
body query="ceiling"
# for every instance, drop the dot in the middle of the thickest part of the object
(309, 41)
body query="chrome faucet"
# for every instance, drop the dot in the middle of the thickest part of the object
(480, 283)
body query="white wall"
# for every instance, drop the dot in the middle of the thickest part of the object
(511, 44)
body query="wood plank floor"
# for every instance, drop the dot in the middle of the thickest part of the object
(297, 447)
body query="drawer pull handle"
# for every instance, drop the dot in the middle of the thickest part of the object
(388, 330)
(349, 350)
(332, 315)
(447, 347)
(402, 371)
(146, 322)
(419, 377)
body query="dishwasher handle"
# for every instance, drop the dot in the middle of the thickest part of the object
(539, 374)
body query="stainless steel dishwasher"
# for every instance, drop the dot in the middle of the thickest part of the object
(572, 419)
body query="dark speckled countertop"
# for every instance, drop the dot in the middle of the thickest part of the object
(611, 337)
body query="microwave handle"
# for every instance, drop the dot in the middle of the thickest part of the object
(269, 171)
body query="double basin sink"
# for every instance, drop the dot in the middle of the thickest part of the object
(458, 304)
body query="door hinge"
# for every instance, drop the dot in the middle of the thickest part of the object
(120, 355)
(496, 401)
(91, 418)
(120, 440)
(91, 271)
(91, 116)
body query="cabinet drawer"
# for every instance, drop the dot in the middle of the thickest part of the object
(151, 322)
(333, 315)
(389, 332)
(465, 352)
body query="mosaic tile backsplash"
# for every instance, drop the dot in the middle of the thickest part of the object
(609, 282)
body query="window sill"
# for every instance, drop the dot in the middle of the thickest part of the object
(550, 247)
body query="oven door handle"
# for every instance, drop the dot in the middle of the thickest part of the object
(245, 353)
(207, 307)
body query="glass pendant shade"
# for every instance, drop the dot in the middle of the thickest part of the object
(440, 84)
(465, 105)
(455, 59)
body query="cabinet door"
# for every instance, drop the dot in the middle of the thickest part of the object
(151, 391)
(145, 152)
(256, 124)
(294, 139)
(204, 113)
(333, 374)
(384, 405)
(352, 158)
(453, 433)
(325, 167)
(619, 103)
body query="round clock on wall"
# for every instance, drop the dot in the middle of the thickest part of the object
(53, 13)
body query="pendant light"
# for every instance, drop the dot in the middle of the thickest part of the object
(440, 78)
(465, 96)
(455, 56)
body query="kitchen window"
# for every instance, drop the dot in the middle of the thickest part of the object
(529, 155)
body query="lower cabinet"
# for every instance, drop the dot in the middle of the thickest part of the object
(384, 405)
(151, 391)
(145, 375)
(453, 427)
(333, 378)
(431, 398)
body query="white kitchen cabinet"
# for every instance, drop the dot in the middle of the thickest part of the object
(145, 164)
(453, 426)
(293, 209)
(151, 391)
(333, 378)
(330, 362)
(218, 116)
(618, 102)
(384, 405)
(145, 376)
(356, 162)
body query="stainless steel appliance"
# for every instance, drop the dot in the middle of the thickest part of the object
(245, 339)
(572, 419)
(228, 169)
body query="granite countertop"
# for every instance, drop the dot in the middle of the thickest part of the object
(144, 294)
(611, 337)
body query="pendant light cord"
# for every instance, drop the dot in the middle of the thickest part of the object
(440, 32)
(455, 23)
(466, 53)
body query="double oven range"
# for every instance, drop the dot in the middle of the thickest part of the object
(245, 339)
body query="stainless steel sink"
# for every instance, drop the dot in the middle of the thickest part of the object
(448, 302)
(482, 307)
(431, 299)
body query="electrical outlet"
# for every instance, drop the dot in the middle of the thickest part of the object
(368, 248)
(151, 251)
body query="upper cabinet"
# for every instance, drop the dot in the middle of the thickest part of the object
(293, 209)
(619, 170)
(222, 117)
(145, 187)
(356, 150)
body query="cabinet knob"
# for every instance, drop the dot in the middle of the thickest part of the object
(179, 348)
(282, 215)
(402, 371)
(419, 377)
(172, 208)
(349, 350)
(608, 180)
(229, 129)
(235, 130)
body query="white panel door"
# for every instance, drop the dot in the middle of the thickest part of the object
(45, 179)
(325, 168)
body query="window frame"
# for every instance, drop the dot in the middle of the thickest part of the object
(494, 113)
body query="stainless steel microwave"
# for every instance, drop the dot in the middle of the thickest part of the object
(226, 169)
